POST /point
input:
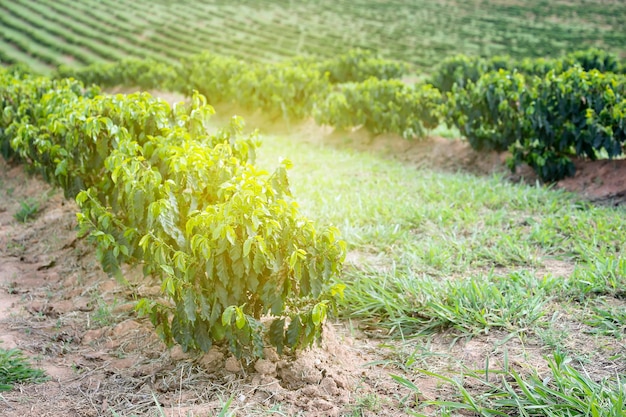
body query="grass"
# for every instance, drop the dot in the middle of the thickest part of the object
(437, 254)
(14, 368)
(28, 210)
(47, 32)
(562, 391)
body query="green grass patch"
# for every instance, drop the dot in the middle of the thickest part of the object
(562, 391)
(416, 227)
(27, 211)
(14, 368)
(451, 254)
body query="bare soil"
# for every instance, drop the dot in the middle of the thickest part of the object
(79, 325)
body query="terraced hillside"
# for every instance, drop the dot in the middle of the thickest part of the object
(47, 33)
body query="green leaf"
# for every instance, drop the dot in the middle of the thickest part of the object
(190, 304)
(318, 314)
(240, 319)
(277, 334)
(227, 315)
(294, 332)
(247, 245)
(201, 335)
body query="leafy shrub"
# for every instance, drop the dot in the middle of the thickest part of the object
(279, 89)
(359, 65)
(25, 99)
(488, 112)
(143, 73)
(592, 59)
(226, 239)
(458, 70)
(209, 74)
(544, 121)
(382, 106)
(462, 69)
(576, 113)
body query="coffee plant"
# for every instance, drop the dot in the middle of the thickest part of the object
(238, 263)
(359, 65)
(575, 113)
(382, 106)
(488, 112)
(462, 69)
(143, 73)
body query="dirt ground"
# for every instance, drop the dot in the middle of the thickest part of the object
(70, 319)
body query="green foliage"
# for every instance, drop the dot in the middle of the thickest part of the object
(565, 391)
(382, 106)
(132, 72)
(28, 210)
(545, 120)
(593, 59)
(14, 368)
(358, 65)
(226, 239)
(463, 69)
(26, 100)
(280, 89)
(290, 89)
(458, 70)
(488, 112)
(576, 113)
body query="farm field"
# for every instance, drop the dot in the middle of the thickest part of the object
(448, 275)
(44, 33)
(465, 289)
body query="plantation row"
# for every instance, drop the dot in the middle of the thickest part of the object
(154, 188)
(544, 111)
(47, 32)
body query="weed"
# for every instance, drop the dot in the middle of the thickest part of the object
(28, 210)
(102, 315)
(15, 368)
(566, 391)
(420, 305)
(368, 402)
(607, 320)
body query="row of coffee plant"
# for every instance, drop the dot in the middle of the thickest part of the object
(347, 91)
(225, 239)
(382, 106)
(544, 111)
(461, 69)
(544, 121)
